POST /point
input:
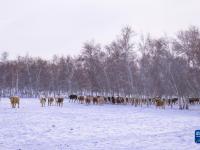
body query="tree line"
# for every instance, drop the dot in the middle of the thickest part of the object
(131, 65)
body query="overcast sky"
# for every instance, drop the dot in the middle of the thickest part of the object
(47, 27)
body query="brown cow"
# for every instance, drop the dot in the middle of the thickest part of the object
(59, 101)
(88, 99)
(105, 99)
(50, 101)
(14, 100)
(193, 101)
(95, 100)
(160, 103)
(81, 99)
(136, 102)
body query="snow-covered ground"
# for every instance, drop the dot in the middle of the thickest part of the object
(109, 127)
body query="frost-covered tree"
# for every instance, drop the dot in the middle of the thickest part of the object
(149, 67)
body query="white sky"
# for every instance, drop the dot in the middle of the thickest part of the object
(47, 27)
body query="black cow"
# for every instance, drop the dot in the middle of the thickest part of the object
(73, 97)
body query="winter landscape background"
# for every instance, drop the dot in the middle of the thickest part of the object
(131, 67)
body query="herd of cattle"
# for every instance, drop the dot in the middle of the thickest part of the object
(157, 101)
(99, 100)
(50, 100)
(58, 101)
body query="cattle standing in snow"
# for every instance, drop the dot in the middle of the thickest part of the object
(113, 100)
(109, 99)
(43, 101)
(172, 101)
(59, 101)
(88, 99)
(193, 101)
(14, 100)
(50, 101)
(73, 97)
(81, 99)
(95, 100)
(160, 103)
(100, 100)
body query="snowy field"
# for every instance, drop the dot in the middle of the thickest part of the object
(106, 127)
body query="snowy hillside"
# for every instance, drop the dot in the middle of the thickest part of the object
(109, 127)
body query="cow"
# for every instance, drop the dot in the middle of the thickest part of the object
(149, 102)
(73, 97)
(171, 102)
(105, 99)
(126, 100)
(88, 99)
(136, 102)
(14, 100)
(50, 101)
(132, 101)
(174, 100)
(118, 100)
(109, 99)
(95, 100)
(43, 101)
(122, 100)
(100, 100)
(81, 99)
(59, 101)
(113, 100)
(160, 103)
(193, 101)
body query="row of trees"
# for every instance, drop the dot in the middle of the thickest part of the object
(127, 66)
